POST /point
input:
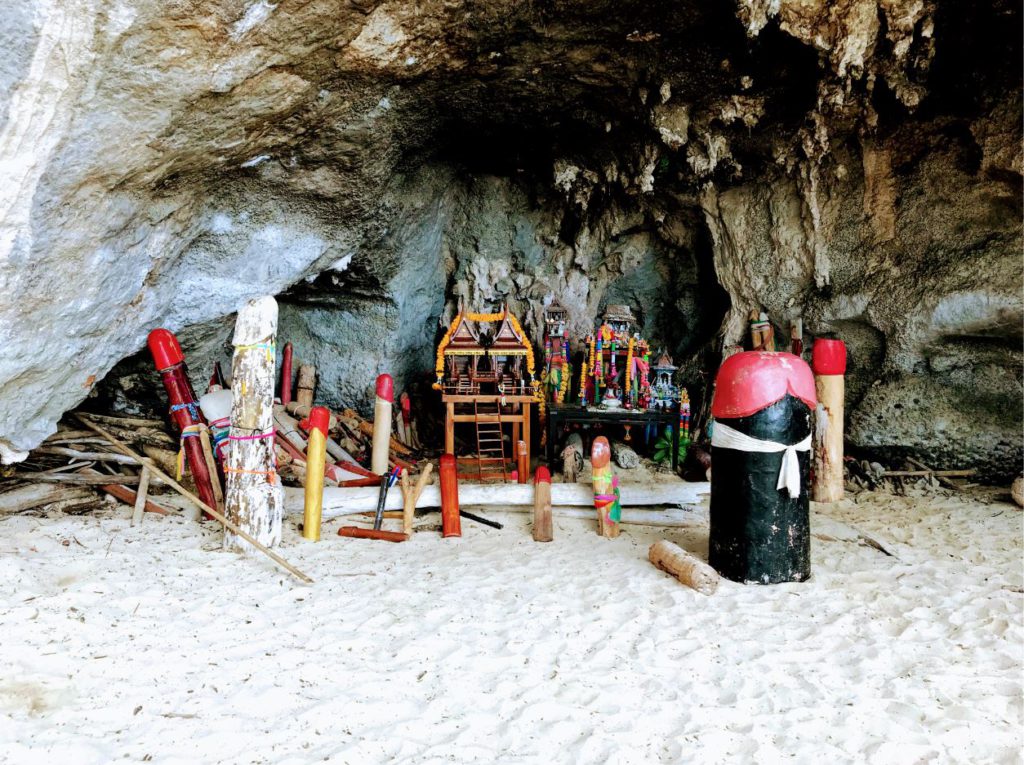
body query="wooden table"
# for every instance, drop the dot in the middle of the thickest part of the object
(560, 415)
(519, 419)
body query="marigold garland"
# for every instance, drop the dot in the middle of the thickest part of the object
(538, 394)
(629, 369)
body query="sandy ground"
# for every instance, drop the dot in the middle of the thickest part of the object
(149, 645)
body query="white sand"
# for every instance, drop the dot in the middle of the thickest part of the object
(147, 644)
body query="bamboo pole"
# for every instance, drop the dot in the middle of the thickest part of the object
(195, 500)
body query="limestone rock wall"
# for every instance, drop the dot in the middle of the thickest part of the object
(373, 163)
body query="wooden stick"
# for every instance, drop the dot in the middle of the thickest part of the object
(128, 496)
(406, 497)
(211, 465)
(523, 462)
(72, 435)
(131, 422)
(140, 497)
(936, 473)
(357, 532)
(195, 500)
(305, 384)
(829, 482)
(410, 500)
(687, 569)
(78, 478)
(941, 479)
(97, 456)
(542, 528)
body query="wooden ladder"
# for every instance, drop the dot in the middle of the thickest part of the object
(490, 446)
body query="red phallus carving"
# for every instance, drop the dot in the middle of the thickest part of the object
(754, 380)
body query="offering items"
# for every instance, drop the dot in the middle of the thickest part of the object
(185, 412)
(557, 370)
(616, 364)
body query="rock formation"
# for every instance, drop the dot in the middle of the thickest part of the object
(855, 163)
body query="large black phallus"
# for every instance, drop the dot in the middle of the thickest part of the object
(760, 533)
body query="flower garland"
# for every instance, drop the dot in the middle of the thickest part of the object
(439, 365)
(587, 355)
(538, 395)
(629, 369)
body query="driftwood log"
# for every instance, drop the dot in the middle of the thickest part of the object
(688, 569)
(572, 457)
(350, 500)
(624, 456)
(253, 489)
(30, 496)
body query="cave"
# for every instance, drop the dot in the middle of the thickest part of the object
(852, 168)
(374, 165)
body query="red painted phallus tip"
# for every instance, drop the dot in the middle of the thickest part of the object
(828, 357)
(447, 460)
(164, 347)
(320, 418)
(543, 475)
(386, 388)
(754, 380)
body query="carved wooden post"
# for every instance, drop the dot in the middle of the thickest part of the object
(253, 494)
(828, 359)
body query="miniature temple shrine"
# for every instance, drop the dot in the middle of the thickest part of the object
(485, 372)
(557, 378)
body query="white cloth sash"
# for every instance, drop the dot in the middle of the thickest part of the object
(725, 437)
